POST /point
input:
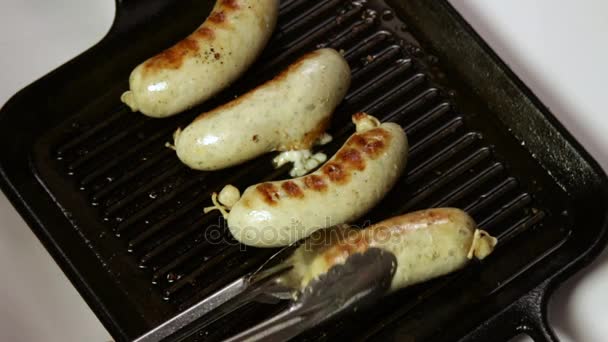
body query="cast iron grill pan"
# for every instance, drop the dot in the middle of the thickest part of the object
(139, 210)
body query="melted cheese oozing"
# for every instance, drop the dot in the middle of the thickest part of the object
(303, 161)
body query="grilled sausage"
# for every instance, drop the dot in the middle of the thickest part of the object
(427, 244)
(342, 190)
(290, 112)
(206, 61)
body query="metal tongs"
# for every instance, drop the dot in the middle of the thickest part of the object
(360, 281)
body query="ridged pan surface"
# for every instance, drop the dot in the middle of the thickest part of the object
(141, 211)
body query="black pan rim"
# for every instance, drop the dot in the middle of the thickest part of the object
(27, 209)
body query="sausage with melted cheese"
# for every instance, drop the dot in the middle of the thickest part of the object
(352, 182)
(288, 113)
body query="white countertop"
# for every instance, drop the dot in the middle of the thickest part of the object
(559, 49)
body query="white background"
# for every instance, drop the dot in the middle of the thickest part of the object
(559, 48)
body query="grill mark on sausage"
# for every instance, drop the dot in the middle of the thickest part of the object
(357, 140)
(335, 172)
(359, 116)
(292, 189)
(269, 192)
(344, 249)
(373, 142)
(315, 183)
(232, 4)
(217, 17)
(373, 147)
(204, 33)
(173, 57)
(412, 221)
(352, 157)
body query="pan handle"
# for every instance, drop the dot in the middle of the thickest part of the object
(536, 324)
(528, 316)
(130, 4)
(129, 13)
